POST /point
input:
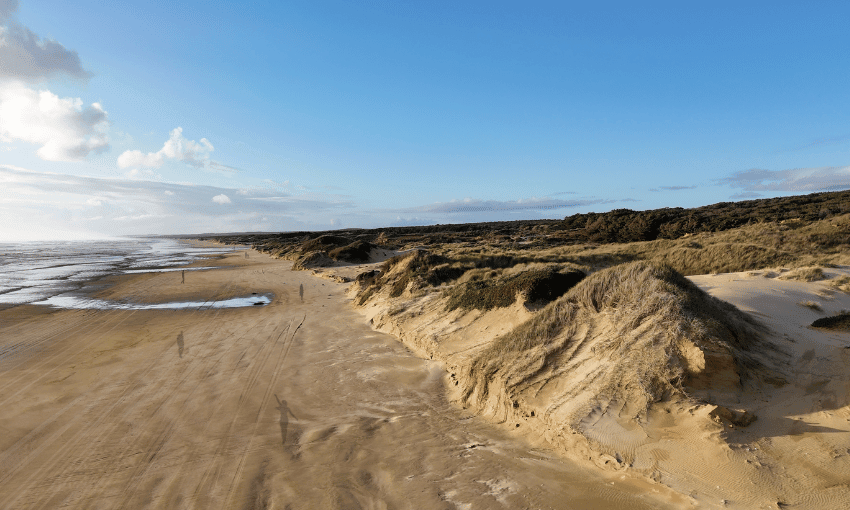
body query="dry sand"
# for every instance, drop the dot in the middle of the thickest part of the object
(795, 455)
(298, 404)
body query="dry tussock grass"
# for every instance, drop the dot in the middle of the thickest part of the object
(629, 330)
(751, 247)
(841, 283)
(804, 274)
(813, 305)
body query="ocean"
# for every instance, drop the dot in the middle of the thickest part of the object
(49, 272)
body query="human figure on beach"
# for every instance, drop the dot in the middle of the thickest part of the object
(301, 291)
(180, 344)
(285, 413)
(246, 254)
(183, 276)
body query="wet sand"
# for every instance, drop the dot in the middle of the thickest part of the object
(297, 404)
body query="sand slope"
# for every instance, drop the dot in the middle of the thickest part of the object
(584, 391)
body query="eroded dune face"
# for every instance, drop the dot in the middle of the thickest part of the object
(635, 334)
(638, 369)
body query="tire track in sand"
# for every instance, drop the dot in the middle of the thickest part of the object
(81, 434)
(106, 431)
(13, 454)
(164, 437)
(215, 463)
(269, 390)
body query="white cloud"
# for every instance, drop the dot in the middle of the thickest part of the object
(44, 204)
(94, 202)
(65, 129)
(25, 56)
(32, 200)
(176, 147)
(138, 158)
(168, 192)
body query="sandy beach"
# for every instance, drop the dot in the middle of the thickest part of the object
(297, 404)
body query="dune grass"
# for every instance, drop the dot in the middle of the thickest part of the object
(804, 274)
(628, 330)
(841, 283)
(812, 305)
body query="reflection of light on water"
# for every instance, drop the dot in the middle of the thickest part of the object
(76, 302)
(35, 271)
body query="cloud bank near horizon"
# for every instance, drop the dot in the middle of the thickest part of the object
(798, 180)
(470, 205)
(122, 206)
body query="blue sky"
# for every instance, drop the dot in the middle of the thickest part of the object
(187, 117)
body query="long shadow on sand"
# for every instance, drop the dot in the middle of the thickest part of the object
(285, 413)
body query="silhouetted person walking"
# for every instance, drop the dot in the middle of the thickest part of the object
(285, 413)
(180, 344)
(301, 291)
(183, 277)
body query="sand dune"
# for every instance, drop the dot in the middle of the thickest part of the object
(297, 404)
(641, 372)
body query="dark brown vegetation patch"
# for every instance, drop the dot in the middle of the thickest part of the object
(325, 243)
(840, 322)
(536, 285)
(368, 277)
(424, 267)
(358, 251)
(625, 225)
